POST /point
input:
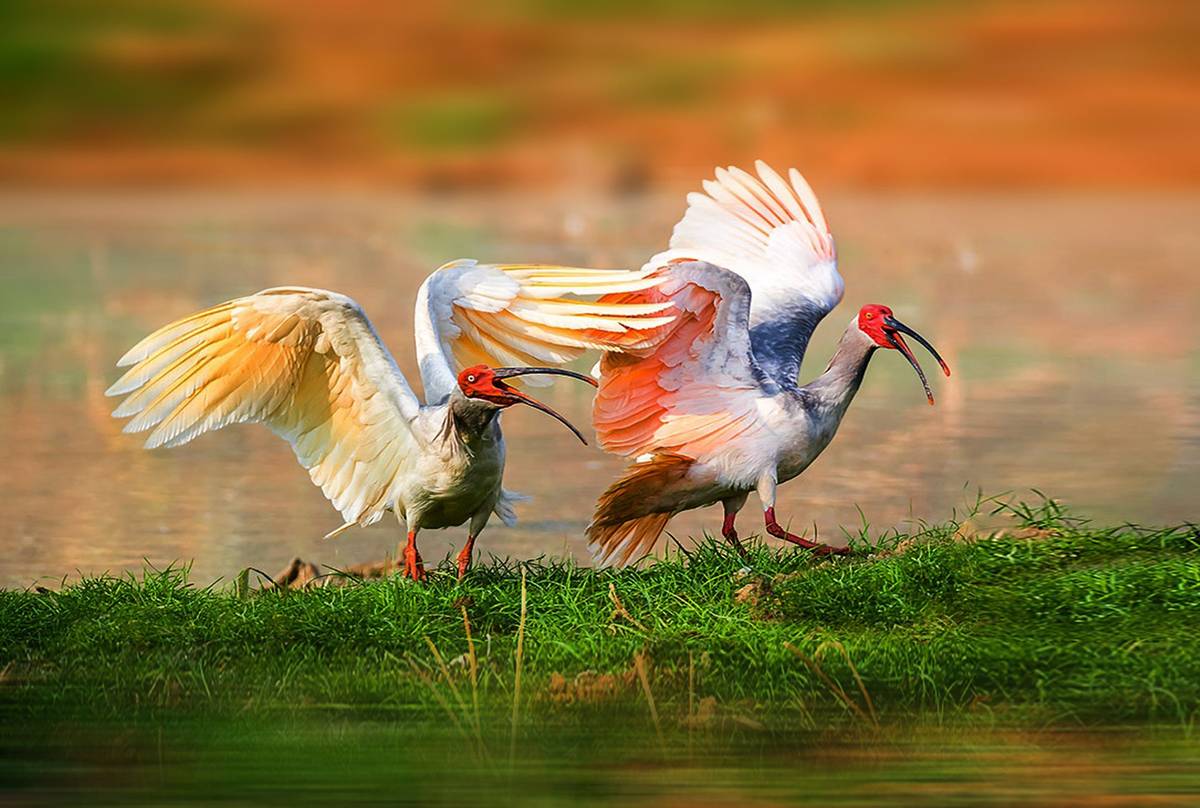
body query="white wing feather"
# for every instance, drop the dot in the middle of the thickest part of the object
(469, 313)
(306, 363)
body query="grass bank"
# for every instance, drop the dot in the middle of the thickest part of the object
(1056, 621)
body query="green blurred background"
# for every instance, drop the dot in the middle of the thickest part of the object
(612, 95)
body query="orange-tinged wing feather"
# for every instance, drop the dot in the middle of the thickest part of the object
(697, 388)
(509, 314)
(304, 362)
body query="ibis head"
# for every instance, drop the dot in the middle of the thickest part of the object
(487, 384)
(878, 323)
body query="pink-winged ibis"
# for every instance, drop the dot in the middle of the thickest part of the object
(714, 410)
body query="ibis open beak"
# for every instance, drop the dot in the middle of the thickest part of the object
(892, 329)
(508, 373)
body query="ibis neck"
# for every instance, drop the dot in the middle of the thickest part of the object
(470, 419)
(834, 389)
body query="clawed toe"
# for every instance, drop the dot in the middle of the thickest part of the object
(413, 567)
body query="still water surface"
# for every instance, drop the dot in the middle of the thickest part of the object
(1069, 320)
(328, 760)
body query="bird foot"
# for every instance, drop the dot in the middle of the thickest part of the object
(464, 557)
(413, 566)
(819, 549)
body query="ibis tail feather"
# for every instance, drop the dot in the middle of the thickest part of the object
(631, 515)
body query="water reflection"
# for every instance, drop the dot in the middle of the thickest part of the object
(1068, 321)
(329, 759)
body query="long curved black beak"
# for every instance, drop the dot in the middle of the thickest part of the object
(508, 373)
(892, 329)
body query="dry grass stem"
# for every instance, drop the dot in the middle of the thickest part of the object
(837, 690)
(639, 663)
(441, 700)
(619, 609)
(516, 705)
(474, 663)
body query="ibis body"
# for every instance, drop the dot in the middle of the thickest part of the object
(308, 364)
(713, 410)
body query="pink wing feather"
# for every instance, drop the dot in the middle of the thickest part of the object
(770, 231)
(698, 387)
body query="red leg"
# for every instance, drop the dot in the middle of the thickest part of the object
(731, 536)
(413, 566)
(778, 532)
(464, 556)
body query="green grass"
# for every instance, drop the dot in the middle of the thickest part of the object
(1073, 623)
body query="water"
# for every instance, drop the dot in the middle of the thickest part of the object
(1069, 320)
(327, 759)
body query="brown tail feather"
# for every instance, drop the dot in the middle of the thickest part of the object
(629, 515)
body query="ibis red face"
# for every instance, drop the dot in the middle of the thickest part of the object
(487, 383)
(878, 323)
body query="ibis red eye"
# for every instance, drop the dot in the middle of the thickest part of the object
(870, 316)
(471, 378)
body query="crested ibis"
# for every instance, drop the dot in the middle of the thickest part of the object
(714, 410)
(308, 364)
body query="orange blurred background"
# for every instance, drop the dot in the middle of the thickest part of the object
(611, 95)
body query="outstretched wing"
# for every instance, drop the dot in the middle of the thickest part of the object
(519, 314)
(698, 387)
(771, 232)
(305, 362)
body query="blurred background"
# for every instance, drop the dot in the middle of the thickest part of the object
(1019, 179)
(611, 94)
